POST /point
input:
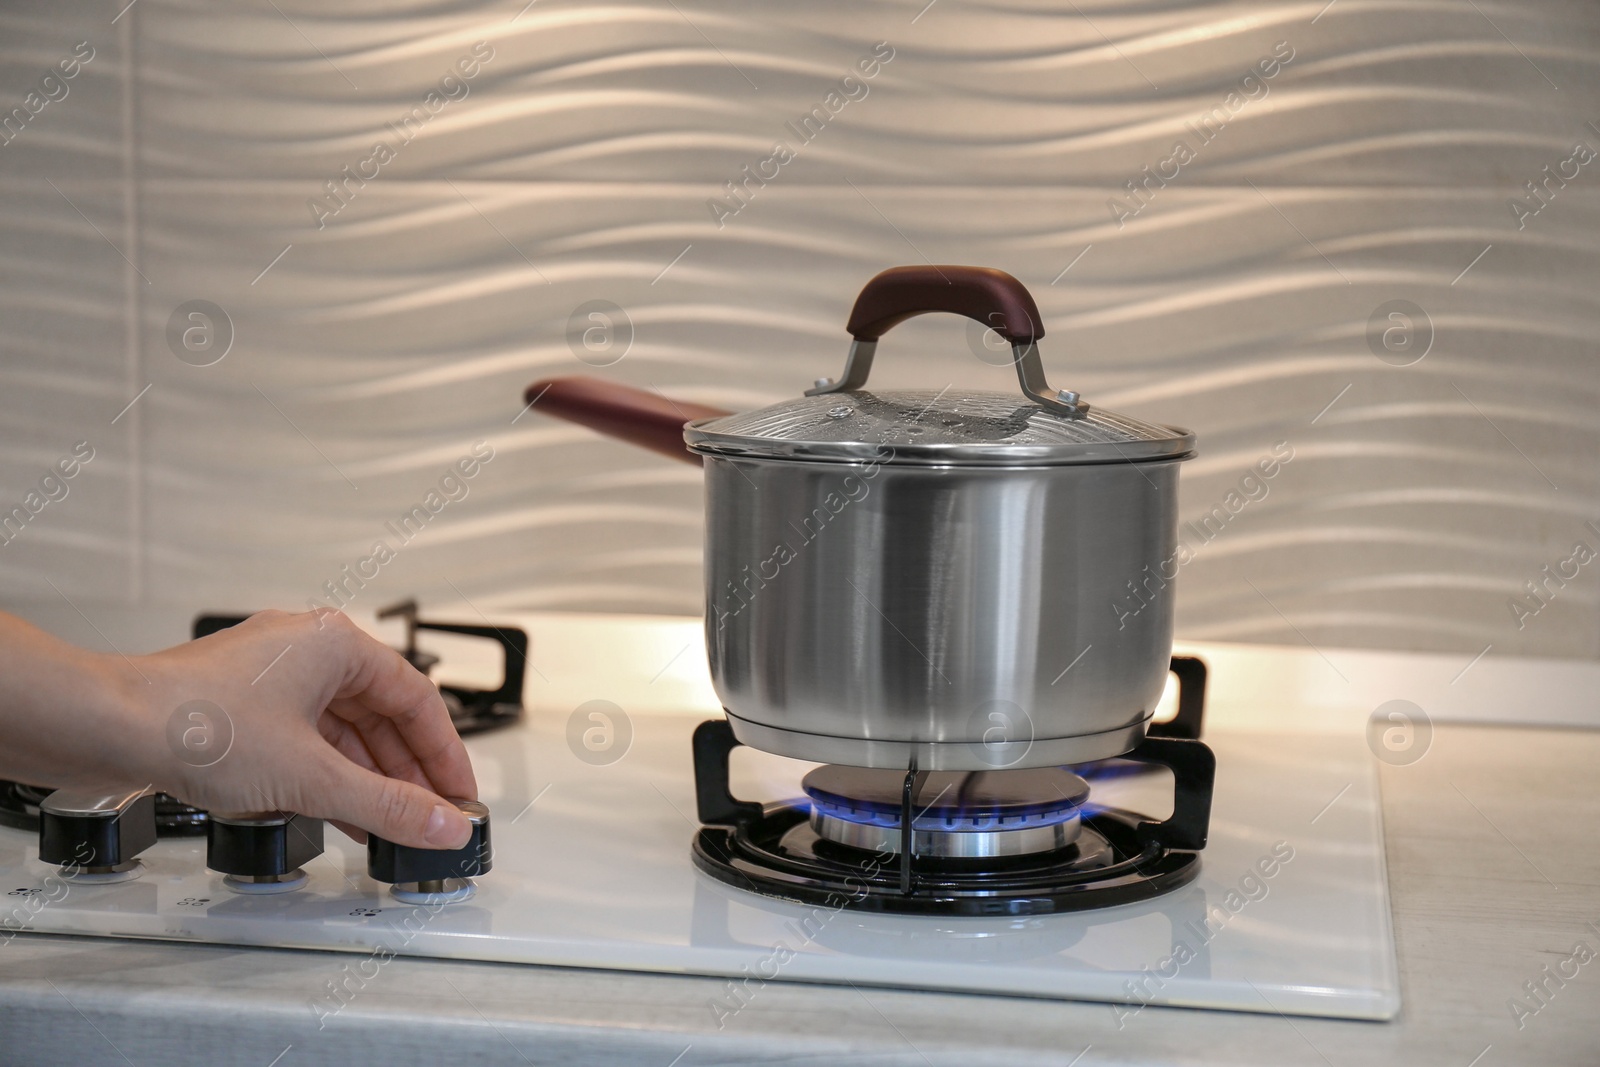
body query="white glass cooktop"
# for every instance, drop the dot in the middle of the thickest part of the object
(1290, 912)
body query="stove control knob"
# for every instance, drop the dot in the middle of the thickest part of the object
(96, 835)
(262, 851)
(433, 876)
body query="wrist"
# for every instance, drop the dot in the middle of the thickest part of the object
(130, 740)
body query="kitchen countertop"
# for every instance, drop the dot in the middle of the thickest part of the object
(1491, 880)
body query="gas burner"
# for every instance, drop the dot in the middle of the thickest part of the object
(1001, 842)
(471, 710)
(19, 808)
(958, 814)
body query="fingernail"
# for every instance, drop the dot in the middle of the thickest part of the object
(445, 826)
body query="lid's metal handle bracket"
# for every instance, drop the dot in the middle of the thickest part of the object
(1030, 372)
(1025, 354)
(857, 365)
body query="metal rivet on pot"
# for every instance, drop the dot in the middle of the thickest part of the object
(840, 412)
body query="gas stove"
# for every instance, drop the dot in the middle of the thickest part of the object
(1262, 890)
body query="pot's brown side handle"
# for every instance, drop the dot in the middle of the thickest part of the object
(637, 416)
(991, 296)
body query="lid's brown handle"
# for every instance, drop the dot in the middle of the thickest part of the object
(643, 418)
(991, 296)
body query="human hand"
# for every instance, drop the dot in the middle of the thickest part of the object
(325, 720)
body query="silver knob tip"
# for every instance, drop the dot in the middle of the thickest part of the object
(823, 383)
(1067, 396)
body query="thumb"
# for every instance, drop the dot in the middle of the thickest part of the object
(396, 810)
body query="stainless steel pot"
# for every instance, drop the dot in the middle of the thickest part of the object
(961, 580)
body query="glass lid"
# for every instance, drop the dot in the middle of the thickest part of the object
(950, 427)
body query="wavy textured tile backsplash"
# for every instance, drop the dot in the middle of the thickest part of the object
(400, 206)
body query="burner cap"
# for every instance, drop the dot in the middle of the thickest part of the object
(950, 800)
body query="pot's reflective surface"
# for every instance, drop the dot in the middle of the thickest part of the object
(863, 614)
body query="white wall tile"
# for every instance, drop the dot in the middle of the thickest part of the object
(1379, 166)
